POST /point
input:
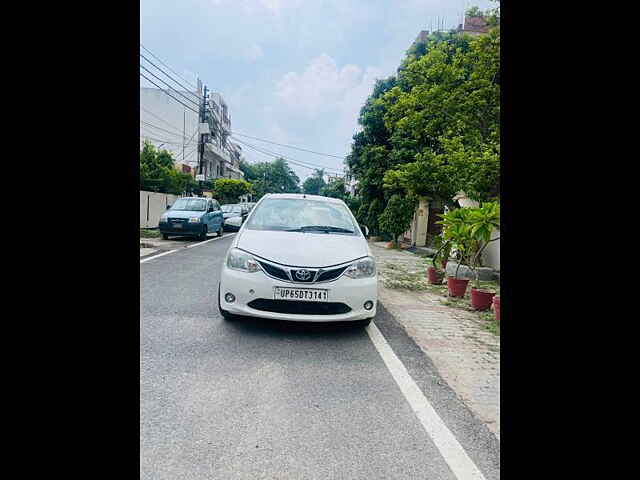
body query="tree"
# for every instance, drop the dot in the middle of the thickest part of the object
(228, 190)
(272, 177)
(335, 189)
(397, 216)
(314, 184)
(158, 174)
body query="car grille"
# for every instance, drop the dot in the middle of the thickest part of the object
(310, 274)
(274, 271)
(282, 273)
(331, 274)
(301, 308)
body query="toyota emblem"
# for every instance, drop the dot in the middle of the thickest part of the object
(303, 275)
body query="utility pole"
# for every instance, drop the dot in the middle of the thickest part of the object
(201, 119)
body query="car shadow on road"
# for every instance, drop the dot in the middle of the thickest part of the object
(261, 326)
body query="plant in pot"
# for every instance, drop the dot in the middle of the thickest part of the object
(457, 236)
(435, 274)
(482, 221)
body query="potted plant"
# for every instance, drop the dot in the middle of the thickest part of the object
(496, 307)
(481, 222)
(457, 236)
(435, 274)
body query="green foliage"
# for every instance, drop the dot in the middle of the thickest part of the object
(314, 184)
(474, 12)
(397, 216)
(468, 231)
(271, 177)
(228, 190)
(157, 173)
(435, 129)
(335, 189)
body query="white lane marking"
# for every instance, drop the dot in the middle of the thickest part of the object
(156, 256)
(211, 240)
(189, 246)
(459, 462)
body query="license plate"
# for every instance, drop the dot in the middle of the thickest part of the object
(304, 294)
(177, 225)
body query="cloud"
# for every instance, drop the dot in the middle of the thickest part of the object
(324, 87)
(253, 52)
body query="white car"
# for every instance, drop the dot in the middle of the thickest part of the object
(302, 258)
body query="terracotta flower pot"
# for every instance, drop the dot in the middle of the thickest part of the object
(435, 276)
(481, 299)
(457, 286)
(496, 308)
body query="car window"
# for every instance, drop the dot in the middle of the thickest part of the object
(216, 205)
(292, 214)
(190, 204)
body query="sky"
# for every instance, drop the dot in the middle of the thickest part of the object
(295, 72)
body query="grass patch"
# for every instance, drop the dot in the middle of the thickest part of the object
(145, 233)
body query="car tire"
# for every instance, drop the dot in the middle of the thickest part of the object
(226, 315)
(165, 236)
(203, 235)
(220, 231)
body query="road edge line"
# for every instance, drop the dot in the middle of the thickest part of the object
(445, 441)
(159, 255)
(211, 240)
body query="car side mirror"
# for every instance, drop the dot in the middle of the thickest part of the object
(168, 207)
(366, 231)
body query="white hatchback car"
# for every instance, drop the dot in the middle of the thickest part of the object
(302, 258)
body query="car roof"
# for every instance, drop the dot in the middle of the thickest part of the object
(304, 196)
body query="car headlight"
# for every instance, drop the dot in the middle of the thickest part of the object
(239, 260)
(164, 218)
(194, 220)
(363, 268)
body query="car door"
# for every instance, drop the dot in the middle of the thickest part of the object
(217, 215)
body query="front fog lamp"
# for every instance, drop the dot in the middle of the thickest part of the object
(242, 261)
(362, 268)
(229, 298)
(368, 305)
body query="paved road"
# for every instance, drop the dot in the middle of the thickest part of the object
(253, 399)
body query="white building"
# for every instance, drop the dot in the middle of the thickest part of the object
(170, 125)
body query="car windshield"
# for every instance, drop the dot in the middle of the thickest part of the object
(301, 215)
(231, 208)
(190, 204)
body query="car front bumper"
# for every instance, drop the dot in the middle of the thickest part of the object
(187, 228)
(351, 292)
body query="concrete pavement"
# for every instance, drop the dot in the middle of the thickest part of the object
(260, 399)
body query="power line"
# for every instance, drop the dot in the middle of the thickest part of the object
(179, 134)
(163, 140)
(186, 81)
(159, 118)
(288, 146)
(165, 91)
(275, 155)
(169, 76)
(170, 87)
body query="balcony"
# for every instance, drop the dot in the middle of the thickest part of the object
(217, 151)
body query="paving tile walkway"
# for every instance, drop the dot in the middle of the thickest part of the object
(464, 352)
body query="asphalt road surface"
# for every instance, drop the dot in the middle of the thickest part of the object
(255, 399)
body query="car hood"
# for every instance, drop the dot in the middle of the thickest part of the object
(303, 249)
(183, 213)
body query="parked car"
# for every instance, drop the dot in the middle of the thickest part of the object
(234, 210)
(301, 258)
(192, 216)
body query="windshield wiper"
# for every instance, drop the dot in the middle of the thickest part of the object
(320, 228)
